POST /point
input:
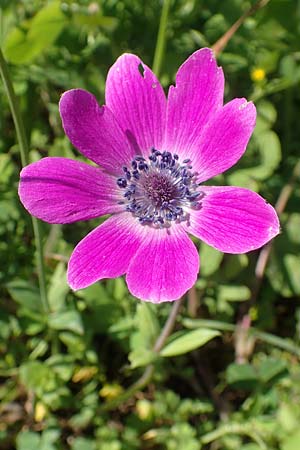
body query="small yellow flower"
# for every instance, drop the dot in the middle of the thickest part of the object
(84, 374)
(111, 391)
(40, 411)
(258, 74)
(143, 409)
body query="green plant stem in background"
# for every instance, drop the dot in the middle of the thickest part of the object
(23, 146)
(146, 377)
(161, 37)
(235, 428)
(268, 338)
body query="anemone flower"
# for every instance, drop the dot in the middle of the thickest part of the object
(153, 155)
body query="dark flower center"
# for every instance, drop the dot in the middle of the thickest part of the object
(160, 190)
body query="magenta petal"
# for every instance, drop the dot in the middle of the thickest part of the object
(94, 131)
(164, 267)
(60, 190)
(196, 97)
(105, 252)
(224, 140)
(233, 220)
(136, 98)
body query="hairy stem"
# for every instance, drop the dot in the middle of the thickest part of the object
(24, 150)
(161, 37)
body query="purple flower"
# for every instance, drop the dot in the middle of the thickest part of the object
(154, 154)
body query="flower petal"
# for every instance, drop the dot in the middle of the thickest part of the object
(94, 131)
(164, 267)
(105, 252)
(233, 220)
(60, 190)
(137, 100)
(224, 140)
(193, 101)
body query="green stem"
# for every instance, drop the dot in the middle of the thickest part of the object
(161, 37)
(147, 375)
(24, 152)
(268, 338)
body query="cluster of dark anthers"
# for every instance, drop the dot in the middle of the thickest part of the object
(160, 190)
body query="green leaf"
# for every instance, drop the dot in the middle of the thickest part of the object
(292, 265)
(58, 288)
(81, 443)
(241, 376)
(230, 293)
(25, 43)
(211, 259)
(37, 376)
(66, 320)
(28, 440)
(147, 323)
(287, 417)
(188, 341)
(141, 357)
(270, 368)
(143, 339)
(25, 294)
(292, 442)
(95, 20)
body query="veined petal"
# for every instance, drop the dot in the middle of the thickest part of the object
(105, 252)
(137, 100)
(193, 101)
(94, 131)
(61, 190)
(224, 140)
(164, 267)
(233, 220)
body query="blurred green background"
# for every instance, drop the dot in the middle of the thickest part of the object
(64, 375)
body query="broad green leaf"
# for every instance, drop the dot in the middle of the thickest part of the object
(66, 320)
(292, 265)
(188, 341)
(143, 339)
(141, 357)
(292, 442)
(287, 417)
(270, 368)
(211, 259)
(6, 168)
(81, 443)
(241, 376)
(26, 42)
(293, 227)
(231, 293)
(62, 365)
(146, 322)
(58, 288)
(25, 294)
(270, 151)
(95, 20)
(267, 112)
(28, 440)
(37, 376)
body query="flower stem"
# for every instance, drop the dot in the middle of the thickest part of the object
(161, 37)
(146, 377)
(223, 41)
(24, 151)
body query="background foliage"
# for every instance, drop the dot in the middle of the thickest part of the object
(64, 375)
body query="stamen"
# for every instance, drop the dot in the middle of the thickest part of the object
(160, 190)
